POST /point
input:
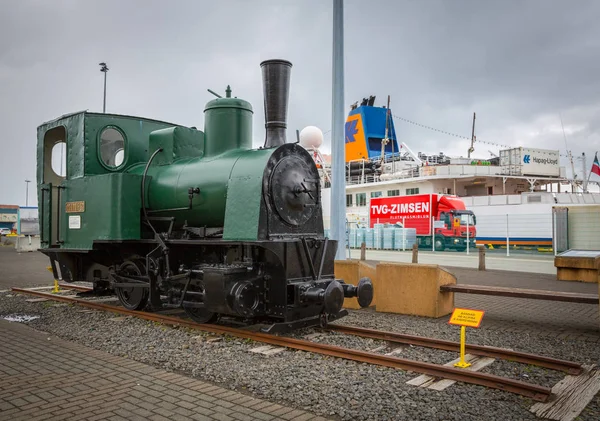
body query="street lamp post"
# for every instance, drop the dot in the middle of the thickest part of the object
(338, 176)
(104, 69)
(27, 192)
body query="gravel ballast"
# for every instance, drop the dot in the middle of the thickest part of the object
(326, 386)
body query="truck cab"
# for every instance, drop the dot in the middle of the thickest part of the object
(458, 230)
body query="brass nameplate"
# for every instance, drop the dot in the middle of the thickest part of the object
(75, 207)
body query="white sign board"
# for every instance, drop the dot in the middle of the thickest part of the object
(439, 224)
(74, 222)
(8, 217)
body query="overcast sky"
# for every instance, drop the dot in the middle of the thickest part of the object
(519, 64)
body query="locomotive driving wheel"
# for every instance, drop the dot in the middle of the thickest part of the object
(199, 314)
(130, 297)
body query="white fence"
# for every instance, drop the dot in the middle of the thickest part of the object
(516, 231)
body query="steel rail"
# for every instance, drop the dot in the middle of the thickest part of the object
(536, 392)
(487, 351)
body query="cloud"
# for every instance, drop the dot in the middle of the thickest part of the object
(518, 65)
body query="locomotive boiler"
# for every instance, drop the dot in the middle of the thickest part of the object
(171, 216)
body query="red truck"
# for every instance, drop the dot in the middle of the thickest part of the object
(424, 212)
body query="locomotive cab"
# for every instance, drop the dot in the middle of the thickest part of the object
(84, 153)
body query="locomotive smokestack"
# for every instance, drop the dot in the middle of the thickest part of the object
(276, 84)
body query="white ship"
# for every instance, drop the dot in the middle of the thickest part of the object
(512, 195)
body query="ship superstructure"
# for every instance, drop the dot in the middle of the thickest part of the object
(378, 164)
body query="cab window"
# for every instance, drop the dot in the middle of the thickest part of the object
(467, 219)
(112, 147)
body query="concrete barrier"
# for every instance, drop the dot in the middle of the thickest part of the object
(570, 268)
(8, 241)
(27, 243)
(414, 289)
(351, 271)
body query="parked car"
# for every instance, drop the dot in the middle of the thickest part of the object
(4, 231)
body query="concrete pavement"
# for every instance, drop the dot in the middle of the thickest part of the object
(23, 269)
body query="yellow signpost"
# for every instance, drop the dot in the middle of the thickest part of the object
(56, 289)
(464, 317)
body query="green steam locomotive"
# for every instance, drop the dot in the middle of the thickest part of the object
(171, 216)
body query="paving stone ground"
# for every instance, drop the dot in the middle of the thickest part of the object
(519, 315)
(45, 378)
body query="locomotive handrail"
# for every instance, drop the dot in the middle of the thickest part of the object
(156, 152)
(58, 240)
(41, 220)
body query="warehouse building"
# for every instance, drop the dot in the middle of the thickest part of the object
(19, 220)
(9, 216)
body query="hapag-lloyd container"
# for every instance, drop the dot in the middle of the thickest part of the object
(530, 161)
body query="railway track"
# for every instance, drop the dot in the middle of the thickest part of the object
(486, 351)
(536, 392)
(403, 339)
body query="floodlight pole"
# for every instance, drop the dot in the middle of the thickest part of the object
(338, 181)
(104, 69)
(27, 192)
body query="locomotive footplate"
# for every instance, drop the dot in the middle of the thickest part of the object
(285, 327)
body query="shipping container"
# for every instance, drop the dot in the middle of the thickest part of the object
(530, 161)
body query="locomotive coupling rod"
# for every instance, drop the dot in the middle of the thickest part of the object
(536, 392)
